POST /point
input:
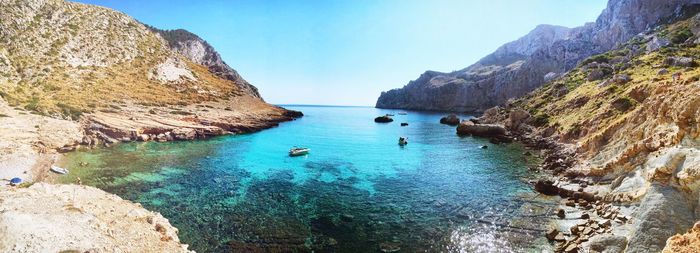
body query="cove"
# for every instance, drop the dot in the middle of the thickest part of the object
(357, 191)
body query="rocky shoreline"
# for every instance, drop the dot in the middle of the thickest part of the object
(589, 217)
(32, 143)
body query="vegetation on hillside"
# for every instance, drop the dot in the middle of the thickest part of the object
(604, 89)
(59, 60)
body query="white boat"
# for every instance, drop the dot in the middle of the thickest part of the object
(59, 170)
(299, 151)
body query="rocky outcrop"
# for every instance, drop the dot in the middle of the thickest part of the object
(663, 213)
(199, 51)
(482, 130)
(383, 119)
(523, 65)
(451, 120)
(684, 243)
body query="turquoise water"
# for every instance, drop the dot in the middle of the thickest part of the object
(357, 191)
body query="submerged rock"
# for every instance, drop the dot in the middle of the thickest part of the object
(388, 247)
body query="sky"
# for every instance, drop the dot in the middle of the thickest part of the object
(346, 52)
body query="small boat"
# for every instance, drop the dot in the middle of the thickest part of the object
(403, 113)
(299, 151)
(389, 115)
(404, 124)
(484, 147)
(15, 181)
(403, 141)
(59, 170)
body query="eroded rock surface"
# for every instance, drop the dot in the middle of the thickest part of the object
(58, 218)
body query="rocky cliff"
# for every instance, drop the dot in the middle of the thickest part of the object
(626, 132)
(525, 64)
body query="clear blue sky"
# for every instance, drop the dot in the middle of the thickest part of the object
(345, 52)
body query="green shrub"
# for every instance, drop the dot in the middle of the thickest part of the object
(680, 36)
(623, 104)
(540, 120)
(71, 111)
(601, 58)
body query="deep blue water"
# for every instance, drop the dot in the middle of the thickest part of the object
(357, 191)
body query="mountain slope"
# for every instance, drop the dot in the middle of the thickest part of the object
(630, 118)
(541, 55)
(57, 60)
(199, 51)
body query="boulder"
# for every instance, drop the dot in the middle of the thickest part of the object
(607, 243)
(657, 43)
(184, 134)
(561, 213)
(662, 72)
(143, 137)
(546, 187)
(383, 119)
(481, 130)
(516, 118)
(680, 61)
(621, 78)
(551, 233)
(596, 74)
(161, 137)
(451, 120)
(550, 77)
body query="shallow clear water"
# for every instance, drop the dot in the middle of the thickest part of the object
(357, 191)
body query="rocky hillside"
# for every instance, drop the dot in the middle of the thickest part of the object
(199, 51)
(629, 118)
(523, 65)
(57, 60)
(55, 57)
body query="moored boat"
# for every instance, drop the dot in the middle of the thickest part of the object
(299, 151)
(403, 141)
(59, 170)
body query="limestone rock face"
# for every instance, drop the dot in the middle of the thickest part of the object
(664, 211)
(608, 244)
(75, 218)
(523, 65)
(199, 51)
